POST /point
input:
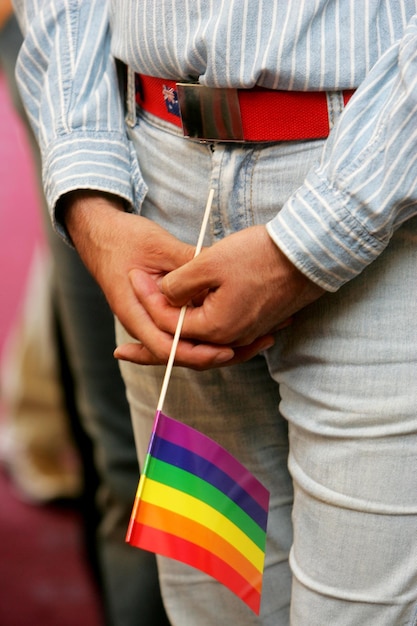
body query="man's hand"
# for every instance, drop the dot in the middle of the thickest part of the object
(112, 244)
(242, 290)
(239, 292)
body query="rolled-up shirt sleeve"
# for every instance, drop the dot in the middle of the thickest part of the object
(69, 83)
(365, 187)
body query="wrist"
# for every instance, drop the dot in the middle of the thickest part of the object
(77, 210)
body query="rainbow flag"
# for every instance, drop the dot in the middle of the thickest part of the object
(197, 504)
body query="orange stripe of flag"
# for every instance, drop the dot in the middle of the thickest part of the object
(182, 550)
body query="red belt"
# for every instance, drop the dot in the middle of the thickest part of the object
(256, 114)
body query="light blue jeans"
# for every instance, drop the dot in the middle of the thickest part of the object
(327, 418)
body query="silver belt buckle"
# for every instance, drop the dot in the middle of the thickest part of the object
(209, 114)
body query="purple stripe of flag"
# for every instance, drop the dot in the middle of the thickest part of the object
(182, 435)
(191, 462)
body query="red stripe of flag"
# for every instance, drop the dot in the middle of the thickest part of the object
(182, 550)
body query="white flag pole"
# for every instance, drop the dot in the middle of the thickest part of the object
(180, 322)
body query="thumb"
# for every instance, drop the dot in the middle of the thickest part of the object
(188, 283)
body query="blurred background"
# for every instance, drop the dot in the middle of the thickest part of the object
(47, 569)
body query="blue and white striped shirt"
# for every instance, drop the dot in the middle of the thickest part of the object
(344, 215)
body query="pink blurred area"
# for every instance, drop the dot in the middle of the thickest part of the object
(20, 221)
(44, 576)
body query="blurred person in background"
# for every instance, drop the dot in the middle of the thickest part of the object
(78, 326)
(37, 442)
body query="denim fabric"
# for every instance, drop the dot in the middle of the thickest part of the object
(326, 418)
(347, 371)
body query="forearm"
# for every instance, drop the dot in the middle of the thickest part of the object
(81, 212)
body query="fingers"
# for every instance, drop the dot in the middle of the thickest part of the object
(155, 343)
(190, 282)
(204, 315)
(198, 357)
(153, 301)
(210, 317)
(194, 356)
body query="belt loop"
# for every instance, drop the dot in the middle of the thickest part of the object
(130, 98)
(335, 106)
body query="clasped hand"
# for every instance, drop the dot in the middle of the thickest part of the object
(238, 293)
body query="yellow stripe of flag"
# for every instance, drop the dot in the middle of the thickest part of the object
(188, 506)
